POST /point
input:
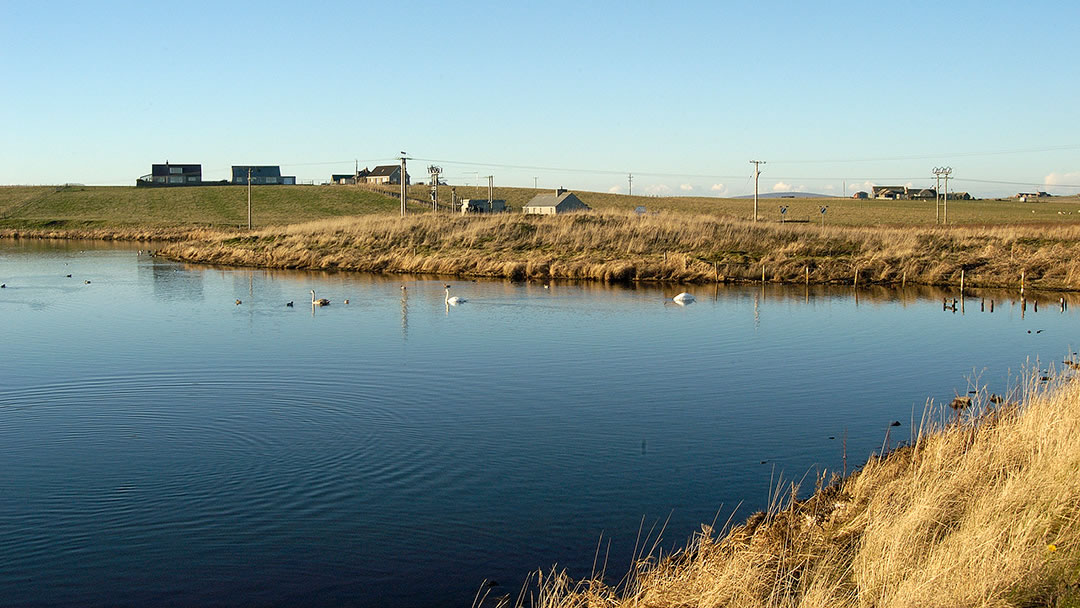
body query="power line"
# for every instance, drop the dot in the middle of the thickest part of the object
(933, 156)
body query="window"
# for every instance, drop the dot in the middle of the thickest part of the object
(176, 179)
(271, 180)
(176, 170)
(193, 178)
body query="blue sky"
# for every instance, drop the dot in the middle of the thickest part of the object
(681, 94)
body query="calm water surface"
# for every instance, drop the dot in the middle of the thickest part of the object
(161, 445)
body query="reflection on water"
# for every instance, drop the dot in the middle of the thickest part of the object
(164, 445)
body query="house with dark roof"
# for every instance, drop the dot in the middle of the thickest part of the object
(350, 178)
(560, 201)
(386, 174)
(261, 175)
(172, 174)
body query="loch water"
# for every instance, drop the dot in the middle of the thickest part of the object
(161, 444)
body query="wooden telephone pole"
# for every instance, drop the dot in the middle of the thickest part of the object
(757, 171)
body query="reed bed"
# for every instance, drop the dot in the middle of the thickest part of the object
(980, 510)
(622, 246)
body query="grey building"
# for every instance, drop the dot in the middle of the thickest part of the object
(172, 174)
(261, 175)
(559, 202)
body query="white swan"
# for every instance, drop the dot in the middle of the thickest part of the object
(320, 301)
(454, 301)
(684, 298)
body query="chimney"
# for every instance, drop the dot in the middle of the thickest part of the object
(559, 191)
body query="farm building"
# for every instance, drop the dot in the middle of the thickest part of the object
(1031, 196)
(559, 202)
(386, 174)
(904, 192)
(261, 175)
(861, 195)
(482, 205)
(172, 174)
(350, 178)
(889, 192)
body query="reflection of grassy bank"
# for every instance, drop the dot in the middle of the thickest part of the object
(981, 513)
(667, 247)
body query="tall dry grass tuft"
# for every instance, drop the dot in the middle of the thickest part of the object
(981, 511)
(621, 246)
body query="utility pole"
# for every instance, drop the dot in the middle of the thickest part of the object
(757, 171)
(402, 180)
(630, 178)
(945, 200)
(534, 183)
(491, 186)
(937, 197)
(249, 198)
(434, 171)
(941, 172)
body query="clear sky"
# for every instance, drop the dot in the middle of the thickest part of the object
(578, 94)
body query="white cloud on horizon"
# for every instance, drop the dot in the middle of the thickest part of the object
(781, 187)
(615, 189)
(686, 187)
(657, 189)
(1067, 181)
(830, 187)
(719, 189)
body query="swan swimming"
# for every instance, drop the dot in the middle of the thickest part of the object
(684, 298)
(320, 301)
(454, 301)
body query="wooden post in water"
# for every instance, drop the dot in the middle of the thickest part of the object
(807, 268)
(762, 273)
(1021, 284)
(856, 282)
(961, 282)
(903, 280)
(716, 272)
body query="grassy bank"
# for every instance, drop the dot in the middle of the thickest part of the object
(980, 512)
(664, 247)
(123, 209)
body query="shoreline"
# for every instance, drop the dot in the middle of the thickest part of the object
(979, 510)
(623, 248)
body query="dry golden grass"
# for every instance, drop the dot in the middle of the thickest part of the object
(981, 512)
(621, 246)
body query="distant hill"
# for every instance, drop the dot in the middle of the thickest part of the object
(789, 195)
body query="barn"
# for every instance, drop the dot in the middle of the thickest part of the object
(559, 202)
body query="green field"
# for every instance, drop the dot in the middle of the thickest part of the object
(80, 207)
(841, 211)
(102, 207)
